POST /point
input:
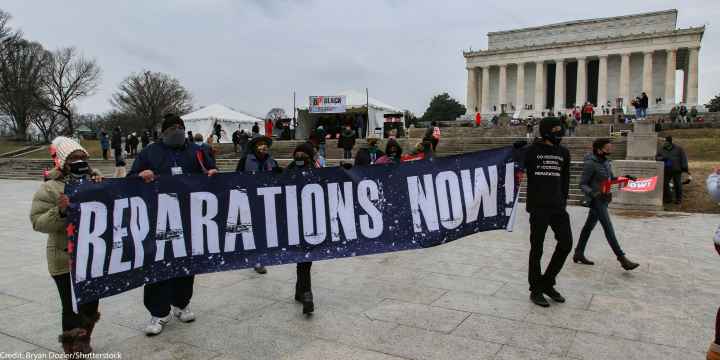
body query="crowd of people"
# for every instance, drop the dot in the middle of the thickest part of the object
(544, 160)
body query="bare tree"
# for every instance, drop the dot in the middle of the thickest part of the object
(6, 32)
(149, 96)
(21, 81)
(276, 114)
(49, 123)
(68, 77)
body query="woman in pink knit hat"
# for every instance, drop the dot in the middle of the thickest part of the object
(47, 214)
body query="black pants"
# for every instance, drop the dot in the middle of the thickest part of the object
(434, 143)
(347, 153)
(676, 177)
(105, 151)
(118, 155)
(176, 292)
(559, 221)
(71, 320)
(303, 283)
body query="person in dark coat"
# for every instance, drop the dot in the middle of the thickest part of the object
(321, 134)
(257, 160)
(304, 158)
(116, 144)
(644, 104)
(547, 165)
(255, 130)
(368, 154)
(676, 163)
(173, 155)
(393, 153)
(145, 138)
(347, 141)
(104, 144)
(597, 177)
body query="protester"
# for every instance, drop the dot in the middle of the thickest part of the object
(145, 138)
(676, 163)
(393, 153)
(236, 138)
(368, 154)
(547, 164)
(713, 187)
(255, 130)
(116, 144)
(644, 104)
(258, 160)
(134, 142)
(304, 158)
(172, 156)
(595, 183)
(321, 134)
(104, 144)
(347, 141)
(432, 134)
(217, 131)
(48, 215)
(190, 136)
(422, 151)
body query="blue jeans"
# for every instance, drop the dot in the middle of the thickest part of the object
(638, 113)
(598, 212)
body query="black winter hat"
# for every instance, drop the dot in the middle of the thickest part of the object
(170, 120)
(306, 148)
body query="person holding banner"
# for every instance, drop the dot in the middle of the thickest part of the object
(48, 214)
(173, 155)
(393, 153)
(304, 158)
(713, 187)
(595, 183)
(256, 160)
(547, 164)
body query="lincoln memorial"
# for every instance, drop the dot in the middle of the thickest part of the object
(603, 61)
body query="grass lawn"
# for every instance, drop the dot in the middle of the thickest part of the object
(7, 145)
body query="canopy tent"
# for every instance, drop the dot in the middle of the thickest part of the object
(203, 120)
(378, 112)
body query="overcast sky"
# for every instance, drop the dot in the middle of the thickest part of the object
(252, 54)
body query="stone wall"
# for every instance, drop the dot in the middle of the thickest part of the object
(584, 30)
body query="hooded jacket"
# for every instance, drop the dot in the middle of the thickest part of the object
(596, 172)
(548, 176)
(390, 158)
(46, 218)
(674, 158)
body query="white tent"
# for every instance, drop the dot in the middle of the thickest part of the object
(203, 120)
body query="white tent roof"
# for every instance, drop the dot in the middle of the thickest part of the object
(221, 112)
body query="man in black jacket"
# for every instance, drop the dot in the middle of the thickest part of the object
(547, 164)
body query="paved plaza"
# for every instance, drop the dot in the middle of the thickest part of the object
(464, 300)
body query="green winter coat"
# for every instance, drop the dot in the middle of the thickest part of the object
(46, 218)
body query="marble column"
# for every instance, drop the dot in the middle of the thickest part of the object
(648, 77)
(692, 77)
(581, 88)
(602, 81)
(471, 101)
(539, 100)
(559, 86)
(670, 69)
(502, 87)
(520, 87)
(485, 91)
(625, 80)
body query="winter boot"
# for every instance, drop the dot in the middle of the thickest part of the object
(89, 326)
(70, 341)
(626, 263)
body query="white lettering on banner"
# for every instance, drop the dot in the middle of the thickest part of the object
(341, 208)
(119, 233)
(239, 221)
(201, 222)
(292, 215)
(477, 192)
(91, 213)
(169, 214)
(446, 183)
(314, 227)
(268, 194)
(423, 200)
(371, 225)
(139, 228)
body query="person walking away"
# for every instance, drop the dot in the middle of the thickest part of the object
(321, 134)
(393, 153)
(304, 158)
(145, 138)
(713, 187)
(547, 164)
(255, 129)
(173, 155)
(235, 137)
(597, 177)
(48, 215)
(676, 163)
(369, 154)
(116, 144)
(644, 104)
(347, 141)
(258, 160)
(104, 144)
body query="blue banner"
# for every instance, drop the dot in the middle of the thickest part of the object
(124, 233)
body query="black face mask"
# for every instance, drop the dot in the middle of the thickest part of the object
(175, 138)
(79, 168)
(554, 137)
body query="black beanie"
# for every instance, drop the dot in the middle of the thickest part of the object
(548, 123)
(306, 148)
(170, 120)
(668, 139)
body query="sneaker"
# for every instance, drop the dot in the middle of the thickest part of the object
(185, 315)
(156, 325)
